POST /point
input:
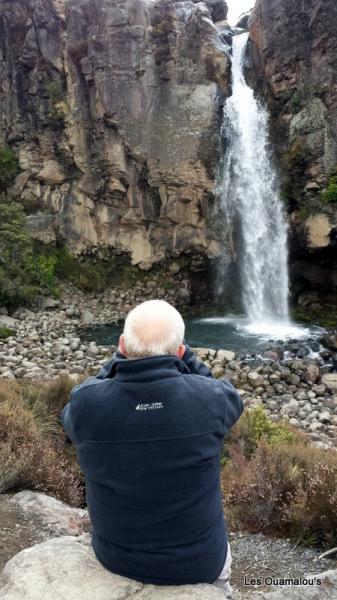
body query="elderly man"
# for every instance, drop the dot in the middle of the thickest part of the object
(149, 430)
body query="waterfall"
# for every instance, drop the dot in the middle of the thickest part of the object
(249, 199)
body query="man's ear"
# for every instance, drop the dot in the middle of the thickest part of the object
(121, 346)
(181, 350)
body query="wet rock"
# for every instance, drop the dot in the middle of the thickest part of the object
(330, 340)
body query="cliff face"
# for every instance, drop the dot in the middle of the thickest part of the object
(293, 53)
(111, 108)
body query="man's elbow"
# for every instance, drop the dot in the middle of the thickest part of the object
(233, 406)
(65, 418)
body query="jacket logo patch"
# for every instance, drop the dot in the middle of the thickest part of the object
(149, 406)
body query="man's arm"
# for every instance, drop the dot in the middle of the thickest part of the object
(232, 403)
(195, 365)
(228, 396)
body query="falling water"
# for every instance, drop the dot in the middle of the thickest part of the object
(248, 191)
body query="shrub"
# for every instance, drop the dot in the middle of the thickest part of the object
(296, 102)
(285, 489)
(58, 107)
(23, 272)
(44, 268)
(330, 194)
(9, 168)
(6, 332)
(32, 453)
(255, 424)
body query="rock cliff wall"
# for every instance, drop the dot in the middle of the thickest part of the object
(111, 108)
(293, 52)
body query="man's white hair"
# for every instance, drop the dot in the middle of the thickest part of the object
(153, 328)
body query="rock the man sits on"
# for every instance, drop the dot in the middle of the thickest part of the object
(149, 430)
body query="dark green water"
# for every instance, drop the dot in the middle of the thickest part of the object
(231, 333)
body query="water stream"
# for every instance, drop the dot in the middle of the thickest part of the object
(249, 197)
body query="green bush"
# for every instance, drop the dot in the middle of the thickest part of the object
(24, 273)
(330, 194)
(57, 104)
(44, 267)
(296, 102)
(255, 425)
(6, 332)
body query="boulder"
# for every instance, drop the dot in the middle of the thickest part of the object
(225, 355)
(330, 380)
(49, 303)
(255, 379)
(9, 322)
(62, 517)
(311, 374)
(66, 567)
(243, 22)
(23, 313)
(218, 9)
(290, 409)
(87, 317)
(325, 416)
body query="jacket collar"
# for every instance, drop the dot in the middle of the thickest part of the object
(148, 368)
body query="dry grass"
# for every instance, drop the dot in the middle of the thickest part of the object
(33, 448)
(285, 488)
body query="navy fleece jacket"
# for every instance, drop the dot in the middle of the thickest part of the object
(148, 434)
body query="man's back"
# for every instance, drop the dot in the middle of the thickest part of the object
(149, 436)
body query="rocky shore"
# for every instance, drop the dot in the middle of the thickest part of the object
(286, 379)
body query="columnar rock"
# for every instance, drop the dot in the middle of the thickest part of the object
(111, 107)
(294, 61)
